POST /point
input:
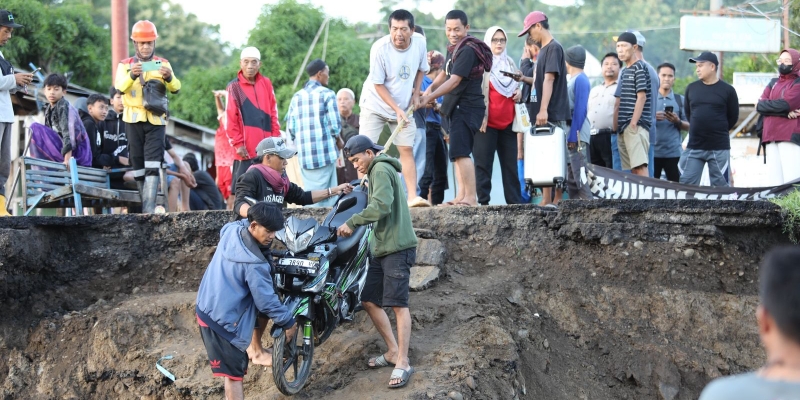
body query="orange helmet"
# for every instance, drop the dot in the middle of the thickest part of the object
(144, 31)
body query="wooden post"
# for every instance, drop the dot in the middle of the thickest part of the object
(786, 24)
(716, 7)
(119, 34)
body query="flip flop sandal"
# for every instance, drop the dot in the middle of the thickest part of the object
(446, 204)
(419, 202)
(403, 375)
(380, 362)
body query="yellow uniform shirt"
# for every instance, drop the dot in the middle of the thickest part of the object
(132, 92)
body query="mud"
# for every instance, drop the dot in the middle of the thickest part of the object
(599, 300)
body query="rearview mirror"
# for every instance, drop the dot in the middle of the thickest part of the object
(346, 204)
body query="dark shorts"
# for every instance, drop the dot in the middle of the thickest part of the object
(464, 123)
(387, 279)
(225, 359)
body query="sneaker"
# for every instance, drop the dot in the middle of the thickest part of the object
(419, 202)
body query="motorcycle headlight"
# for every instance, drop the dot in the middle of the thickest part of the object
(299, 243)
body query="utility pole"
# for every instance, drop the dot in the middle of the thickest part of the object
(716, 6)
(786, 24)
(119, 34)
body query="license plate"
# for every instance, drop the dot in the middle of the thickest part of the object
(297, 262)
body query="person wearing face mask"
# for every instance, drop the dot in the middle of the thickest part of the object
(500, 92)
(780, 107)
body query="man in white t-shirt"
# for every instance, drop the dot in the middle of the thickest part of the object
(397, 63)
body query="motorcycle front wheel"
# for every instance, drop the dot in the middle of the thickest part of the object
(292, 357)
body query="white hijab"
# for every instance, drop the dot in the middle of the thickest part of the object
(501, 83)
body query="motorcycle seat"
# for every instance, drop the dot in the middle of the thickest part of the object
(345, 244)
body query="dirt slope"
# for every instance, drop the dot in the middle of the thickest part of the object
(601, 300)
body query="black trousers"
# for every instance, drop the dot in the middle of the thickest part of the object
(146, 148)
(435, 176)
(600, 150)
(239, 168)
(669, 166)
(504, 142)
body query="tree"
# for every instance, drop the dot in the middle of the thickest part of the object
(183, 39)
(60, 38)
(283, 33)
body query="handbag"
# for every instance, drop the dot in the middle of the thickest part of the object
(522, 121)
(154, 96)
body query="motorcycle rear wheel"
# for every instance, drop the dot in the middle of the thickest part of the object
(292, 358)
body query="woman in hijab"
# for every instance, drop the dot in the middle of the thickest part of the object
(500, 92)
(780, 107)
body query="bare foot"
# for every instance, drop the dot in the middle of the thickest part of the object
(260, 358)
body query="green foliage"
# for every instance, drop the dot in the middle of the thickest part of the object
(195, 102)
(681, 83)
(791, 213)
(183, 39)
(284, 32)
(749, 63)
(60, 38)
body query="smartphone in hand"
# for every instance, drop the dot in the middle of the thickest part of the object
(668, 109)
(511, 75)
(148, 66)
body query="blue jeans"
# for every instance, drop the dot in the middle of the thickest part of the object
(420, 155)
(615, 160)
(651, 154)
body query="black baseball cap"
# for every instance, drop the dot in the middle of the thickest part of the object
(706, 56)
(7, 19)
(359, 144)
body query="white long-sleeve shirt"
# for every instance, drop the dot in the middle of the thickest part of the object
(8, 85)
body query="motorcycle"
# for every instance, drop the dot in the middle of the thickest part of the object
(319, 277)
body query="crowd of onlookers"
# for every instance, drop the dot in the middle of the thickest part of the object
(468, 105)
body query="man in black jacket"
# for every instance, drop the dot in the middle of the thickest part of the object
(92, 117)
(266, 180)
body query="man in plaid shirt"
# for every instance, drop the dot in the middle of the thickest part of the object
(314, 124)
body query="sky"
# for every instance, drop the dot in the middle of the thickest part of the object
(239, 16)
(235, 21)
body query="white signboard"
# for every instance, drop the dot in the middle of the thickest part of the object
(750, 85)
(739, 35)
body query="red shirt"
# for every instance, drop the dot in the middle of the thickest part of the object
(252, 113)
(501, 109)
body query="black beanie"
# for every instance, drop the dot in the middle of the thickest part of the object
(627, 37)
(576, 56)
(315, 66)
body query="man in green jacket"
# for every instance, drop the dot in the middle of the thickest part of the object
(394, 252)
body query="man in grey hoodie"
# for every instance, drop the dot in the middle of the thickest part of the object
(236, 286)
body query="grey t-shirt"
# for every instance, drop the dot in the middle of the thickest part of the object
(750, 387)
(395, 69)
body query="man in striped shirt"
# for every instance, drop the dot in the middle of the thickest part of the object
(633, 108)
(313, 122)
